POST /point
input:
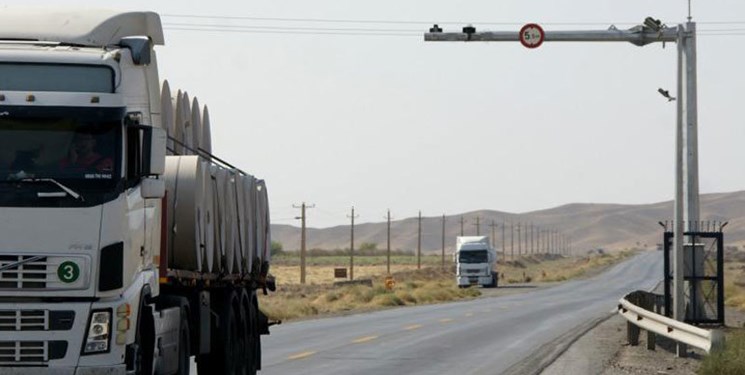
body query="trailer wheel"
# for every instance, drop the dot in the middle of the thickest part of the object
(248, 332)
(225, 349)
(184, 344)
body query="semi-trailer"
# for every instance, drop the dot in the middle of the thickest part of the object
(127, 246)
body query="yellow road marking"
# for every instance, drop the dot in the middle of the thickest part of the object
(413, 327)
(469, 314)
(446, 320)
(364, 339)
(301, 355)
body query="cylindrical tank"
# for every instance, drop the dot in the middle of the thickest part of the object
(208, 230)
(186, 124)
(166, 115)
(206, 139)
(185, 181)
(196, 124)
(230, 221)
(178, 129)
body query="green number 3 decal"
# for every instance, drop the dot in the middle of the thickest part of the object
(68, 272)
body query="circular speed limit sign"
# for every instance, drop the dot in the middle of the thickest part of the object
(532, 35)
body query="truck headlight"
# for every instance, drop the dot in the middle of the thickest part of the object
(99, 332)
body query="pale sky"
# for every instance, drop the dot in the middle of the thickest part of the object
(394, 122)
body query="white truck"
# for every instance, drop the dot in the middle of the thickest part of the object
(475, 262)
(126, 245)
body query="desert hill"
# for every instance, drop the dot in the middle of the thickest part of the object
(609, 226)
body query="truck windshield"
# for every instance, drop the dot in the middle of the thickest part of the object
(473, 256)
(79, 152)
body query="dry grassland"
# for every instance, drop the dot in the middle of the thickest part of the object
(431, 284)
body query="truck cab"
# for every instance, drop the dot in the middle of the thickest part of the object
(475, 262)
(81, 156)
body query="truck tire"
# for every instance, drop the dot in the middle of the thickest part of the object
(249, 333)
(225, 349)
(184, 344)
(144, 341)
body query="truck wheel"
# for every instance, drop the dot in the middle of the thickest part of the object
(144, 341)
(255, 334)
(184, 344)
(248, 332)
(224, 351)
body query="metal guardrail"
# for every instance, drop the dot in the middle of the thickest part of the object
(636, 308)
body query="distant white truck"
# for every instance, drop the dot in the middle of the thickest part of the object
(475, 262)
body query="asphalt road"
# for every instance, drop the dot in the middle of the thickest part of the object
(482, 336)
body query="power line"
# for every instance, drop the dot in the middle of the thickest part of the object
(419, 22)
(248, 27)
(419, 35)
(383, 22)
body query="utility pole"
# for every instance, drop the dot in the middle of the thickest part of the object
(388, 248)
(419, 244)
(462, 222)
(519, 240)
(478, 225)
(504, 249)
(512, 241)
(302, 208)
(532, 248)
(351, 245)
(556, 235)
(493, 226)
(443, 241)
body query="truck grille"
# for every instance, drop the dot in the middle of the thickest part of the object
(24, 320)
(31, 275)
(23, 352)
(13, 353)
(473, 271)
(36, 320)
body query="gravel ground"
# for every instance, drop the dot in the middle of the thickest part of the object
(604, 351)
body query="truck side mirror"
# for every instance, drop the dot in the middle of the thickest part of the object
(146, 148)
(155, 148)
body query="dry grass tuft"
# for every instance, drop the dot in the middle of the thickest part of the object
(730, 361)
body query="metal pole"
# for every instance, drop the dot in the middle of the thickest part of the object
(686, 164)
(636, 36)
(462, 221)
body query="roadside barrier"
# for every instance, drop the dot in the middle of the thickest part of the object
(637, 308)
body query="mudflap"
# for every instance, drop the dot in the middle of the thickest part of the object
(262, 322)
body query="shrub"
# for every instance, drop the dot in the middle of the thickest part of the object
(730, 361)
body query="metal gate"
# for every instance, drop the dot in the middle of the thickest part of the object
(704, 276)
